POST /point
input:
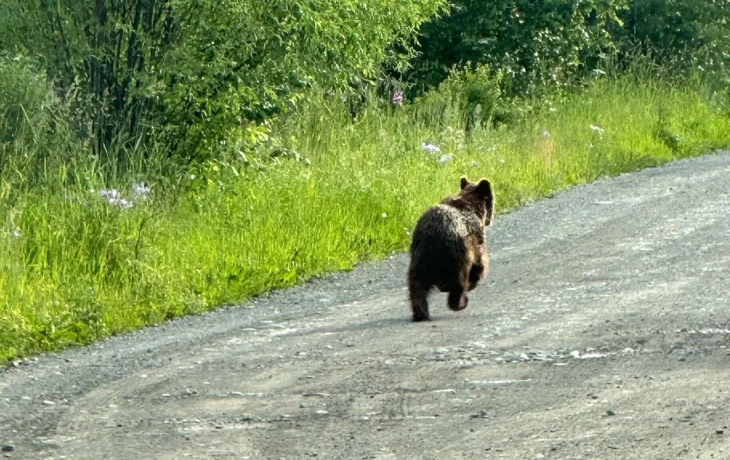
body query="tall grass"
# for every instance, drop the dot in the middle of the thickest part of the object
(75, 268)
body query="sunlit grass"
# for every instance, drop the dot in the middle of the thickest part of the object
(74, 268)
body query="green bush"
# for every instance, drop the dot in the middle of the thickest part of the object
(33, 121)
(26, 101)
(469, 97)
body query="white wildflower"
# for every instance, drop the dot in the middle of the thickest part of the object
(16, 234)
(384, 215)
(474, 163)
(546, 133)
(141, 191)
(125, 204)
(430, 148)
(501, 160)
(110, 194)
(445, 159)
(597, 129)
(114, 198)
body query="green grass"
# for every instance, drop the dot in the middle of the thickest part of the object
(82, 270)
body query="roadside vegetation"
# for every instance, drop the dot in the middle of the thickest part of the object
(163, 158)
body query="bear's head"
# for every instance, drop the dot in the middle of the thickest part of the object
(480, 197)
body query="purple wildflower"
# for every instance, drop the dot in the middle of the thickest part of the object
(398, 98)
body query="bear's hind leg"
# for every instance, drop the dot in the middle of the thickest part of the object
(457, 299)
(458, 288)
(476, 274)
(419, 298)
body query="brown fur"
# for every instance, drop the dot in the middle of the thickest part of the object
(449, 250)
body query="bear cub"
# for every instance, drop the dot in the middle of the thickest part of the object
(448, 250)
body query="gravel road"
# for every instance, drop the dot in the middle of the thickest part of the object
(601, 332)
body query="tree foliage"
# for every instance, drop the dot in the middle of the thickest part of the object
(687, 34)
(531, 42)
(549, 42)
(198, 78)
(200, 74)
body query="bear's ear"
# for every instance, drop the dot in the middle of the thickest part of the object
(484, 188)
(464, 182)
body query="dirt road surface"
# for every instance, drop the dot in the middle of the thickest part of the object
(602, 332)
